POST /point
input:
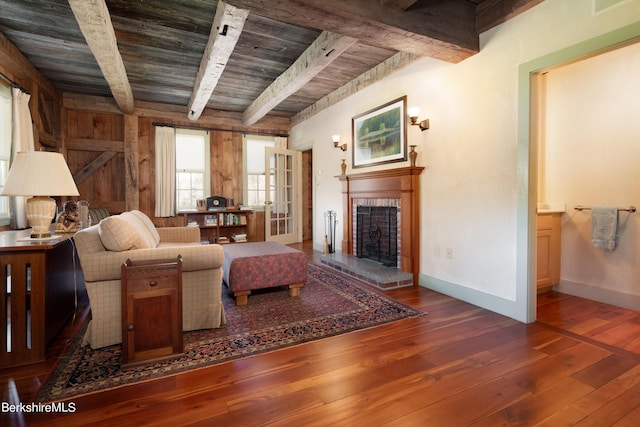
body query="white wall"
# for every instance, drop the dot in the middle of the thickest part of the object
(474, 177)
(591, 157)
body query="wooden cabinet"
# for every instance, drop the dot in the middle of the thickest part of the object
(151, 311)
(548, 251)
(223, 226)
(40, 287)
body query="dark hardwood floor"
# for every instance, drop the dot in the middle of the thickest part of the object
(459, 365)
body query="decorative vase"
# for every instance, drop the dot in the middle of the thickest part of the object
(343, 165)
(413, 154)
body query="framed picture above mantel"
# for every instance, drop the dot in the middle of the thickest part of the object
(380, 134)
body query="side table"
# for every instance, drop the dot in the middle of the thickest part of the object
(41, 281)
(151, 311)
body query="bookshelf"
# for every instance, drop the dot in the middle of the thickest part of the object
(221, 226)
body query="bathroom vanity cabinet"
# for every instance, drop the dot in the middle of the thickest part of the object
(548, 250)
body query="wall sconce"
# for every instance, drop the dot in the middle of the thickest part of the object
(414, 112)
(336, 143)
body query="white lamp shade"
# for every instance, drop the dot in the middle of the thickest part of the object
(39, 173)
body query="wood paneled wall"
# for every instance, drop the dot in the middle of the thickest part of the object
(95, 155)
(225, 160)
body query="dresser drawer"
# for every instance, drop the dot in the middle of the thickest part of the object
(143, 284)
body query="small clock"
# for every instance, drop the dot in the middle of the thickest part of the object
(216, 203)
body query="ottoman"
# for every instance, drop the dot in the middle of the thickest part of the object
(259, 265)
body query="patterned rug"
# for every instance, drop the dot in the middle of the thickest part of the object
(329, 304)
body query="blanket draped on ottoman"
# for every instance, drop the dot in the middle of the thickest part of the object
(258, 265)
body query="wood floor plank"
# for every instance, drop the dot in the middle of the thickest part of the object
(538, 407)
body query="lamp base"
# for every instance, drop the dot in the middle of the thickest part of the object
(40, 211)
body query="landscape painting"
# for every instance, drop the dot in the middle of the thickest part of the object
(380, 135)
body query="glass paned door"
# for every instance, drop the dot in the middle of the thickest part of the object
(283, 212)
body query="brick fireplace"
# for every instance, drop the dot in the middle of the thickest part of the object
(398, 187)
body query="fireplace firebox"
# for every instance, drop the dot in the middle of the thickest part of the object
(377, 234)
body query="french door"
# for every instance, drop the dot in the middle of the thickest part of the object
(283, 211)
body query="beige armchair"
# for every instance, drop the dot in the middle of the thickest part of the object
(104, 247)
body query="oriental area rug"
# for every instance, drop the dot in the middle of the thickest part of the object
(329, 304)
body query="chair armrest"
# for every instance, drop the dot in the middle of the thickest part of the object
(179, 234)
(107, 265)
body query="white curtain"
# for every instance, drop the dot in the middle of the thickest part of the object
(21, 140)
(165, 171)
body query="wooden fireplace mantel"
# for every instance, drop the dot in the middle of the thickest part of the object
(398, 183)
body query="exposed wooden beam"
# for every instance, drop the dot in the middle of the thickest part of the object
(398, 4)
(86, 144)
(377, 73)
(444, 30)
(131, 181)
(225, 32)
(491, 13)
(322, 52)
(93, 166)
(95, 24)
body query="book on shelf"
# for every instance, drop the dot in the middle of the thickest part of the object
(223, 239)
(239, 237)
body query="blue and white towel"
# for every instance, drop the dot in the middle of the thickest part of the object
(604, 227)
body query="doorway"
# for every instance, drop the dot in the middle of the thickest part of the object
(307, 195)
(583, 140)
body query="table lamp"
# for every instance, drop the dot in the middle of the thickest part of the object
(40, 174)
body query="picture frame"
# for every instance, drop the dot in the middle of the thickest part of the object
(210, 220)
(380, 134)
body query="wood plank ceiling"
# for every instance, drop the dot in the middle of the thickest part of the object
(278, 57)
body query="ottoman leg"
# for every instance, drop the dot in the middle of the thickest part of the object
(294, 290)
(241, 297)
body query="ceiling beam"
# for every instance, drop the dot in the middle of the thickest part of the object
(322, 52)
(376, 74)
(399, 4)
(225, 32)
(444, 30)
(95, 23)
(491, 13)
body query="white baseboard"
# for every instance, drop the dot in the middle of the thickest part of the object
(472, 296)
(607, 296)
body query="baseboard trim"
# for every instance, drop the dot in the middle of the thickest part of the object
(472, 296)
(607, 296)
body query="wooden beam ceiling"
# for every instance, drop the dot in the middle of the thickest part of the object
(442, 30)
(95, 24)
(399, 4)
(225, 32)
(491, 13)
(324, 50)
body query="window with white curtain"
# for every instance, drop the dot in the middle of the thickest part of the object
(5, 149)
(192, 167)
(255, 176)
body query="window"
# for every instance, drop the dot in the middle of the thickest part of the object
(255, 185)
(192, 167)
(5, 149)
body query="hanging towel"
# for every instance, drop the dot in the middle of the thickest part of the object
(604, 227)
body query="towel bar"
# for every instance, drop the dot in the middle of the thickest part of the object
(630, 209)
